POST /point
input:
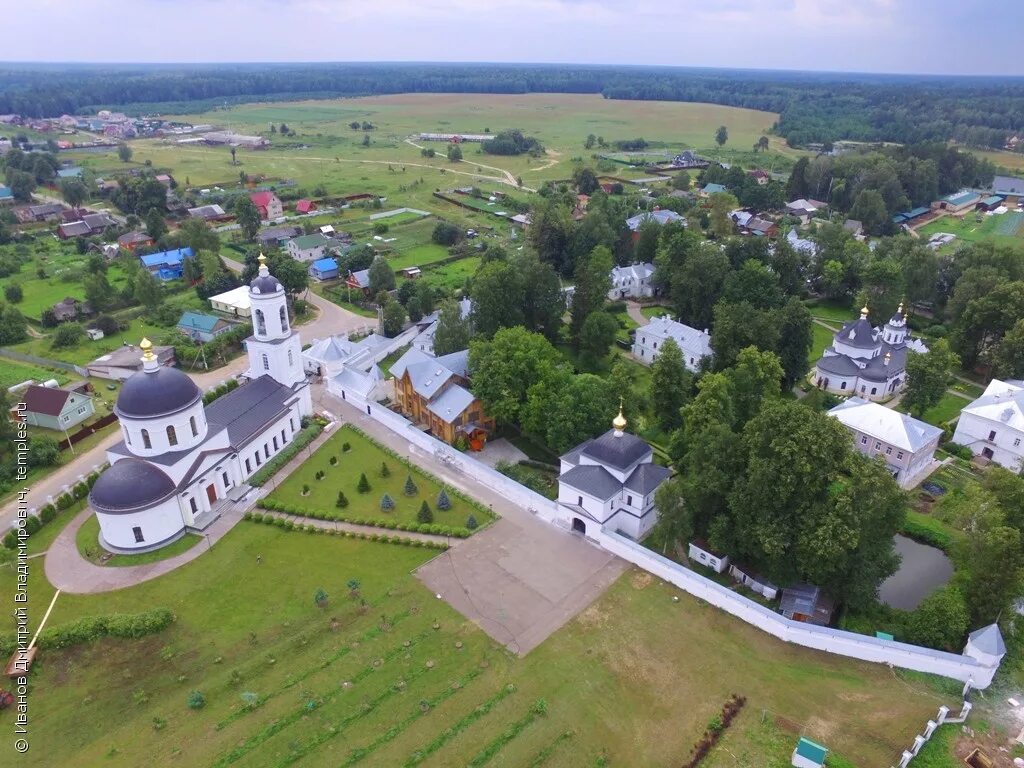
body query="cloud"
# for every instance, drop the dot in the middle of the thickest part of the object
(869, 35)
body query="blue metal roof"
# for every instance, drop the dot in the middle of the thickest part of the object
(962, 197)
(199, 322)
(169, 258)
(5, 192)
(323, 265)
(993, 200)
(69, 173)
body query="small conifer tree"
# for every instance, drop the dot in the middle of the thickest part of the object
(425, 516)
(471, 523)
(364, 484)
(387, 504)
(342, 501)
(384, 471)
(410, 487)
(443, 502)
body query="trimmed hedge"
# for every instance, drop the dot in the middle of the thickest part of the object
(223, 389)
(89, 628)
(288, 525)
(305, 436)
(391, 525)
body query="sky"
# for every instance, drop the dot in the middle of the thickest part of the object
(903, 36)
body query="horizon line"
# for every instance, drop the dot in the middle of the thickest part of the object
(591, 65)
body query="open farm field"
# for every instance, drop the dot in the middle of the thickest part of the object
(327, 151)
(1005, 229)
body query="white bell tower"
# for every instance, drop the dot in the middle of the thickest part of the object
(275, 349)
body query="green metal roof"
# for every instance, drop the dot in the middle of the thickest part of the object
(305, 242)
(811, 751)
(959, 198)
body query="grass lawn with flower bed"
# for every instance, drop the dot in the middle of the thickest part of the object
(87, 541)
(366, 457)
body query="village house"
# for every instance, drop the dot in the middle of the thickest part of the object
(632, 282)
(359, 280)
(913, 217)
(760, 227)
(521, 220)
(991, 203)
(308, 247)
(751, 579)
(35, 213)
(122, 362)
(761, 177)
(54, 408)
(993, 425)
(132, 240)
(659, 216)
(208, 213)
(610, 481)
(687, 159)
(305, 206)
(200, 327)
(232, 139)
(906, 444)
(324, 269)
(866, 361)
(277, 235)
(1010, 187)
(89, 224)
(712, 189)
(234, 302)
(434, 392)
(801, 245)
(649, 339)
(70, 309)
(803, 209)
(268, 205)
(167, 265)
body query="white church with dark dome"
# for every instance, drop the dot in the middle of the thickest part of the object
(179, 460)
(868, 362)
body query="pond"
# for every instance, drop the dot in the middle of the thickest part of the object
(923, 569)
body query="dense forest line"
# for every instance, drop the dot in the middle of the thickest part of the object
(813, 107)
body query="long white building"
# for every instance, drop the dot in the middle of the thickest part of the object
(651, 338)
(179, 460)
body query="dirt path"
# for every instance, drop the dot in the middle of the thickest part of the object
(635, 314)
(509, 178)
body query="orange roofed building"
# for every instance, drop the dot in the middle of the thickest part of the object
(433, 392)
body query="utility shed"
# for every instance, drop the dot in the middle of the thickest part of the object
(808, 754)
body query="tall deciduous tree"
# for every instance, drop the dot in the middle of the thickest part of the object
(739, 325)
(869, 209)
(670, 385)
(697, 286)
(73, 191)
(381, 276)
(248, 217)
(928, 376)
(598, 334)
(755, 377)
(721, 135)
(721, 204)
(156, 227)
(795, 340)
(124, 152)
(452, 333)
(504, 368)
(543, 302)
(593, 281)
(497, 293)
(146, 289)
(549, 235)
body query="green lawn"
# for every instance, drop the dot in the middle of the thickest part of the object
(87, 541)
(406, 675)
(832, 311)
(451, 278)
(947, 408)
(336, 292)
(418, 256)
(365, 457)
(387, 362)
(1007, 229)
(655, 310)
(821, 340)
(13, 372)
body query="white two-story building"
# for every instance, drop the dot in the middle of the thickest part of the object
(907, 444)
(610, 480)
(650, 339)
(632, 282)
(993, 425)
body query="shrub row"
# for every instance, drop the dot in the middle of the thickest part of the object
(391, 525)
(488, 515)
(288, 525)
(305, 436)
(223, 389)
(89, 628)
(927, 535)
(715, 729)
(48, 512)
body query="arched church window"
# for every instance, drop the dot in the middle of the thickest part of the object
(291, 358)
(192, 423)
(172, 436)
(266, 363)
(261, 323)
(145, 439)
(284, 319)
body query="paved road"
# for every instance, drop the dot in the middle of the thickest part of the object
(331, 319)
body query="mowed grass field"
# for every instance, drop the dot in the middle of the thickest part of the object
(405, 681)
(1005, 229)
(326, 151)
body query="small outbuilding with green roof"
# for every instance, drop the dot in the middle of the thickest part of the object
(808, 754)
